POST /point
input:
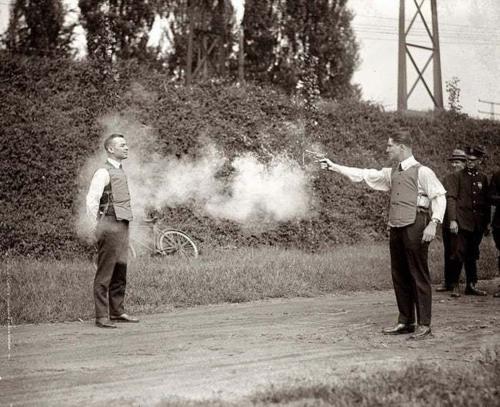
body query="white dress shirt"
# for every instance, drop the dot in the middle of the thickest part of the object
(430, 190)
(96, 189)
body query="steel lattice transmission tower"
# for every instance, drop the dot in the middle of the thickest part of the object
(405, 54)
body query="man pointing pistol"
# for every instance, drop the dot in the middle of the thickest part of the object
(417, 206)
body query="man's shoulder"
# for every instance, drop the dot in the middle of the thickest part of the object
(102, 169)
(424, 170)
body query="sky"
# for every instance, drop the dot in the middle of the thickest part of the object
(469, 41)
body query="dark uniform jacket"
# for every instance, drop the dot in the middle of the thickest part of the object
(447, 179)
(495, 198)
(467, 200)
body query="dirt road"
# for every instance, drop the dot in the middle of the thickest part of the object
(231, 350)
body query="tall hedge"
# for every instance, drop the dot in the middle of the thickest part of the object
(50, 124)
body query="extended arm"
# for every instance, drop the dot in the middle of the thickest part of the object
(379, 180)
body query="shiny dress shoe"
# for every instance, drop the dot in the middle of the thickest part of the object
(470, 290)
(443, 288)
(399, 329)
(455, 293)
(123, 318)
(497, 294)
(104, 323)
(422, 332)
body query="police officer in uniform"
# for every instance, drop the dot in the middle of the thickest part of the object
(457, 162)
(109, 210)
(495, 223)
(469, 215)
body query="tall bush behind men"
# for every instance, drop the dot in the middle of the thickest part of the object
(457, 161)
(109, 210)
(417, 206)
(469, 214)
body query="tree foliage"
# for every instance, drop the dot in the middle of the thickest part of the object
(283, 29)
(37, 28)
(211, 22)
(203, 34)
(117, 28)
(453, 89)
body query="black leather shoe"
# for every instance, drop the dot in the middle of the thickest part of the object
(422, 332)
(455, 293)
(104, 323)
(399, 329)
(474, 291)
(497, 294)
(123, 318)
(443, 288)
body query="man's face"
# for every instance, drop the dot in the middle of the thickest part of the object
(457, 165)
(118, 148)
(472, 162)
(393, 150)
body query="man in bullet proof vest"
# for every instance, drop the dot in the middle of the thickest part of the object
(109, 209)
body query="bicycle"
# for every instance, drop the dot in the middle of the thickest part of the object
(148, 234)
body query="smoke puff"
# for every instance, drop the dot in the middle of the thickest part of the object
(277, 191)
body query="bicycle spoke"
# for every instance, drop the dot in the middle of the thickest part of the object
(177, 243)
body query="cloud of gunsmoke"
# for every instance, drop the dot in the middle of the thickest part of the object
(274, 191)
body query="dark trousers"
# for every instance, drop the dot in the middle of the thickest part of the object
(466, 254)
(496, 238)
(449, 246)
(110, 278)
(410, 271)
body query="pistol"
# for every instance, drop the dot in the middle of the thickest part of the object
(316, 154)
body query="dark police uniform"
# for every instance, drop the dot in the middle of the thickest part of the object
(449, 242)
(468, 205)
(494, 194)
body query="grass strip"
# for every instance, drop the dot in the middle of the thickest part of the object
(50, 290)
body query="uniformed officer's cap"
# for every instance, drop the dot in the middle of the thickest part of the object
(458, 155)
(477, 151)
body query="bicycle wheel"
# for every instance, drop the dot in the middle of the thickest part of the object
(175, 243)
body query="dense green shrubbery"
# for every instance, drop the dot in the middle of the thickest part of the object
(50, 113)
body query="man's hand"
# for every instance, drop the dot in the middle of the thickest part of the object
(429, 232)
(326, 163)
(454, 227)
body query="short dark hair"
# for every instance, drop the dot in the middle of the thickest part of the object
(402, 136)
(110, 138)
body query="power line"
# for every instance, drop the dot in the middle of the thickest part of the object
(393, 38)
(444, 24)
(492, 112)
(422, 33)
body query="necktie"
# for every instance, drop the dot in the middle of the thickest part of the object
(400, 168)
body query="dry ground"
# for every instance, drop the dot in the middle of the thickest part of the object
(229, 351)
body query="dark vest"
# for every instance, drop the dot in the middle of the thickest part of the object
(404, 195)
(115, 200)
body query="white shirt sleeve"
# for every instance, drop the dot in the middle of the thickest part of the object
(96, 189)
(379, 180)
(433, 188)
